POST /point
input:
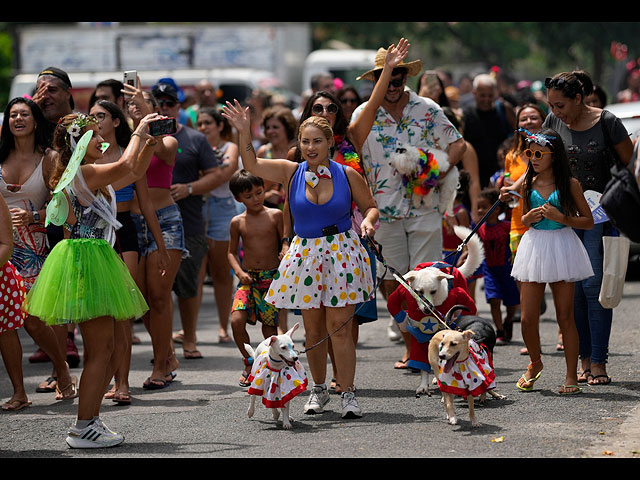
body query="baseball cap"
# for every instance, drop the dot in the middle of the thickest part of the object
(164, 89)
(174, 85)
(56, 72)
(62, 75)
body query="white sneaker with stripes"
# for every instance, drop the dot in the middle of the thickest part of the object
(95, 435)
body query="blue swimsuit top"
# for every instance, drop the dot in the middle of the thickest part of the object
(536, 200)
(310, 218)
(125, 194)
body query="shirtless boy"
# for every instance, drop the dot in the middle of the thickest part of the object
(260, 230)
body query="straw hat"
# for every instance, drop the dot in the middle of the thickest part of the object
(413, 68)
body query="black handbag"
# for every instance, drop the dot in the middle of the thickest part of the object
(621, 197)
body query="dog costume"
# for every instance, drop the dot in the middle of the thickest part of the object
(473, 376)
(429, 325)
(276, 387)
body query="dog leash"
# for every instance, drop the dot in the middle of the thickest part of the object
(417, 295)
(458, 250)
(355, 312)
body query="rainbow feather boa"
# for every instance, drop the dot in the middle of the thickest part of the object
(427, 176)
(348, 155)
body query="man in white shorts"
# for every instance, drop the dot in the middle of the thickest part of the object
(408, 235)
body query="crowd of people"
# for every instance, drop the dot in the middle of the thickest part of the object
(279, 198)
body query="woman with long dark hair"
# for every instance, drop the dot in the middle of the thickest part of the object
(26, 163)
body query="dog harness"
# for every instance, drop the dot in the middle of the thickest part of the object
(276, 387)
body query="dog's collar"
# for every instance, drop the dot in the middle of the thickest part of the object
(271, 359)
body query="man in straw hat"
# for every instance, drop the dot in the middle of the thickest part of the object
(408, 234)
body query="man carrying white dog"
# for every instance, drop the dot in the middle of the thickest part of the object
(409, 234)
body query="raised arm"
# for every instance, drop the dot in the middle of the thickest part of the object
(361, 126)
(132, 164)
(278, 170)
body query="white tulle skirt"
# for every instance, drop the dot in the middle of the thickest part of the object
(548, 256)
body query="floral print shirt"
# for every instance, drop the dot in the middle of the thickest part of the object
(423, 125)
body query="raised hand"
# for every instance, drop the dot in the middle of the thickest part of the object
(238, 116)
(396, 54)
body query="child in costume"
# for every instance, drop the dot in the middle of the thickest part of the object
(499, 286)
(550, 251)
(83, 281)
(260, 229)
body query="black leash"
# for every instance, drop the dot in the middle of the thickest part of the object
(355, 312)
(458, 250)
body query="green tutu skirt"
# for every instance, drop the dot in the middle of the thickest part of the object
(83, 279)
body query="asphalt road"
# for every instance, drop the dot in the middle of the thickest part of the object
(203, 413)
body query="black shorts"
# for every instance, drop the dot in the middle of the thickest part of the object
(127, 235)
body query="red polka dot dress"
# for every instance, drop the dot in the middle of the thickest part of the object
(12, 293)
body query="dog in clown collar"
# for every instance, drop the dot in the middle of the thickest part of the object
(276, 375)
(422, 171)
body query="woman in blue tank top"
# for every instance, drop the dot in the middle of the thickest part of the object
(326, 270)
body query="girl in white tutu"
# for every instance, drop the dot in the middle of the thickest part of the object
(550, 251)
(326, 270)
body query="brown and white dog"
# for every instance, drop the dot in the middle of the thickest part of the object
(462, 367)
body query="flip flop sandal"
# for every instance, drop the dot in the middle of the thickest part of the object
(244, 380)
(531, 381)
(122, 398)
(563, 390)
(155, 384)
(61, 392)
(15, 405)
(401, 364)
(51, 387)
(583, 377)
(593, 378)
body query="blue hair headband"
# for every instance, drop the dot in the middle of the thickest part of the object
(542, 140)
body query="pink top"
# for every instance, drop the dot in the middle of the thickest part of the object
(159, 174)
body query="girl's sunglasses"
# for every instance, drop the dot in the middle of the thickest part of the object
(318, 109)
(537, 154)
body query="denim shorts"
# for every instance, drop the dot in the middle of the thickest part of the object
(218, 212)
(172, 232)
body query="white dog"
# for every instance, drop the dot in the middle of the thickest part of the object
(277, 375)
(413, 164)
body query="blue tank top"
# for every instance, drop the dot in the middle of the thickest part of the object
(536, 200)
(310, 218)
(125, 194)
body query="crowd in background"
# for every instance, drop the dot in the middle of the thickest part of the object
(188, 185)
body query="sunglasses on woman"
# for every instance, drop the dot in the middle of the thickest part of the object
(318, 109)
(537, 154)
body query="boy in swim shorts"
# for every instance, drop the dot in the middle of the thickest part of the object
(260, 231)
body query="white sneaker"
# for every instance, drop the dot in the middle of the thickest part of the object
(393, 331)
(350, 407)
(317, 400)
(95, 435)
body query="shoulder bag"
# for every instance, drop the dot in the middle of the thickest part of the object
(621, 197)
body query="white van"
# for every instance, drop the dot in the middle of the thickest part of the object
(344, 64)
(231, 82)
